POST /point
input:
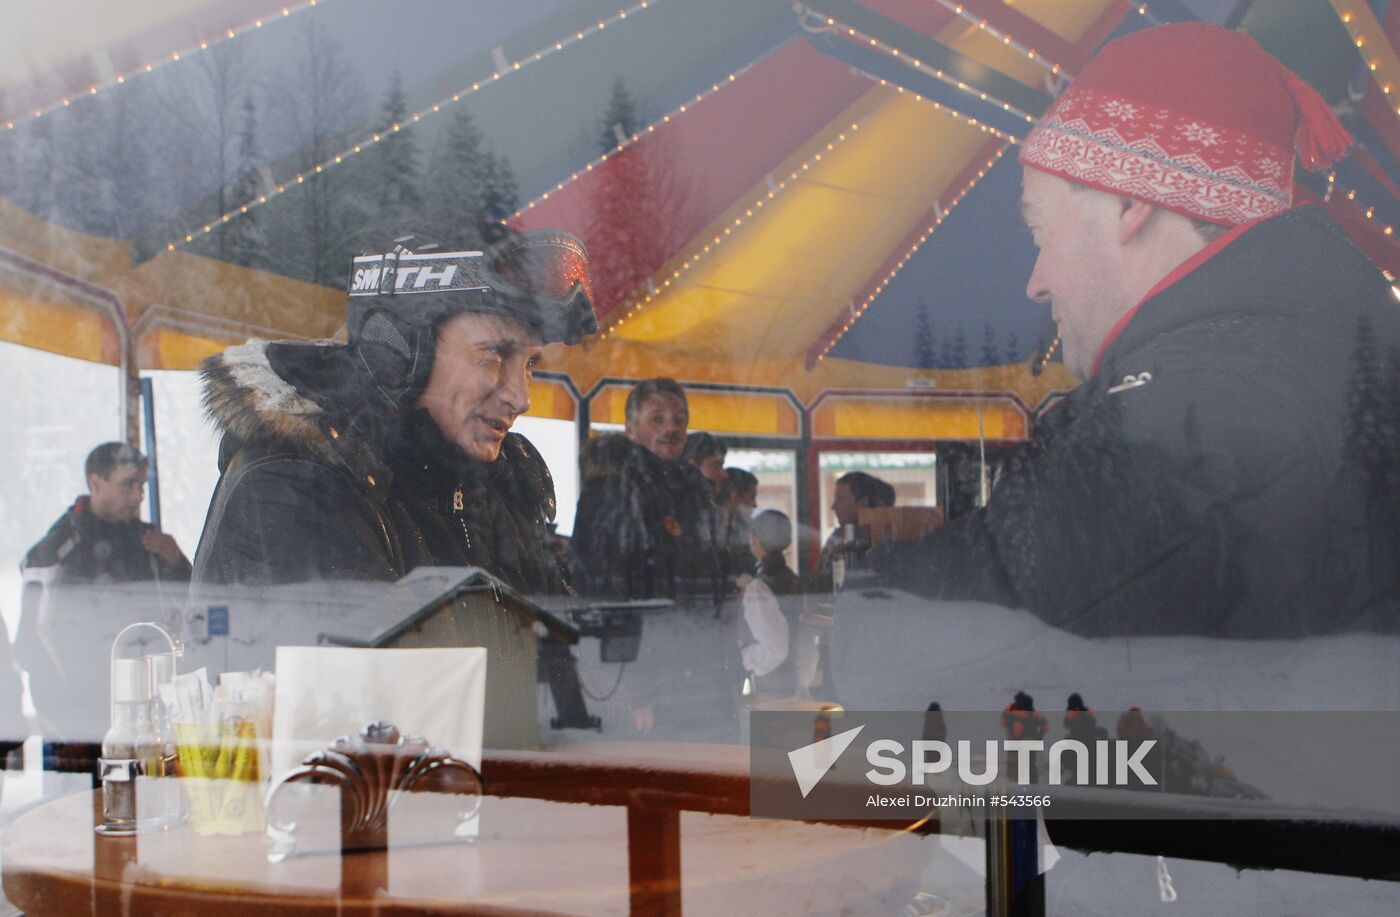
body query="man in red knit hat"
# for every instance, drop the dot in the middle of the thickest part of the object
(1218, 471)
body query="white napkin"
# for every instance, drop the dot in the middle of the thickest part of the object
(329, 691)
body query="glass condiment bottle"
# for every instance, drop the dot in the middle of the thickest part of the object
(136, 751)
(132, 748)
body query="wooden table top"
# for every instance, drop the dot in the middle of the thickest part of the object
(533, 856)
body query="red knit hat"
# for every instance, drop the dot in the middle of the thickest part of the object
(1195, 118)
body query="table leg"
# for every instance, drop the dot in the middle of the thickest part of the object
(654, 861)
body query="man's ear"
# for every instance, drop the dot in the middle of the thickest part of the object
(1133, 218)
(91, 479)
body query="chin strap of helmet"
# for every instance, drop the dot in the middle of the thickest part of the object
(396, 355)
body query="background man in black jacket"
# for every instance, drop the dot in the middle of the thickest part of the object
(855, 491)
(647, 523)
(100, 540)
(647, 526)
(101, 537)
(1215, 473)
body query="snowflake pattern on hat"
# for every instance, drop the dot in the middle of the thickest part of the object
(1123, 111)
(1199, 133)
(1159, 156)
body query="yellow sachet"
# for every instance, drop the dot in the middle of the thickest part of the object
(221, 775)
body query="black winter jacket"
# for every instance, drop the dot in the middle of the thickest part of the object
(645, 527)
(81, 548)
(1221, 474)
(318, 485)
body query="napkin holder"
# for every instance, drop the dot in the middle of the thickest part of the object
(370, 792)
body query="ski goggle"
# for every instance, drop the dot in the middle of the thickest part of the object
(539, 277)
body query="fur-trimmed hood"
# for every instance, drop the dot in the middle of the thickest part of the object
(330, 416)
(247, 400)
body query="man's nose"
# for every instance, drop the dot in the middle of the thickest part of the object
(1037, 288)
(515, 391)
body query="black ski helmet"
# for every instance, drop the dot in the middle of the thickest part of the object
(398, 299)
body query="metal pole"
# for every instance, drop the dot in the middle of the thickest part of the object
(1014, 885)
(585, 405)
(148, 412)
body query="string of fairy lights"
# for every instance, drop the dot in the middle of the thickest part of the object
(706, 249)
(939, 216)
(1007, 39)
(837, 26)
(410, 120)
(731, 224)
(635, 137)
(1372, 44)
(967, 119)
(632, 307)
(156, 63)
(983, 25)
(1376, 50)
(1368, 210)
(651, 128)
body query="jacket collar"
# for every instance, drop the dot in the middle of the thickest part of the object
(251, 400)
(301, 398)
(1285, 266)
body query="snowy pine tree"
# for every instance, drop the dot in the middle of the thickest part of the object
(246, 243)
(990, 357)
(471, 187)
(1368, 415)
(314, 230)
(959, 348)
(80, 200)
(639, 210)
(1390, 446)
(394, 159)
(1013, 347)
(132, 168)
(498, 196)
(620, 117)
(37, 170)
(454, 181)
(923, 337)
(214, 101)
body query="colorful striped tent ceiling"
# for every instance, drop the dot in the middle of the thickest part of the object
(817, 196)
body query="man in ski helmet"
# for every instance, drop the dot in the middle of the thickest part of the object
(367, 459)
